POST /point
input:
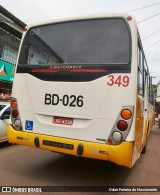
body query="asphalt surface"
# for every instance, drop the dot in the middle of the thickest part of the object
(26, 166)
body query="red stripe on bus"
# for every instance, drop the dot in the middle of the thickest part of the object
(72, 70)
(88, 70)
(45, 70)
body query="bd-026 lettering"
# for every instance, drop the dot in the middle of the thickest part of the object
(66, 100)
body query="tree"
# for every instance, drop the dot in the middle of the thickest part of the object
(154, 88)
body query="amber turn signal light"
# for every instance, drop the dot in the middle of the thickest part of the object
(126, 114)
(13, 104)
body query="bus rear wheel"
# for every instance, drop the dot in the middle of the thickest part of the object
(144, 150)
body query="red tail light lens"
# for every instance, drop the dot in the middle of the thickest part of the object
(110, 141)
(15, 113)
(122, 125)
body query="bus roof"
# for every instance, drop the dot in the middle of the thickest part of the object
(83, 17)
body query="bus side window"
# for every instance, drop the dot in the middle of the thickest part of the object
(140, 82)
(150, 90)
(140, 73)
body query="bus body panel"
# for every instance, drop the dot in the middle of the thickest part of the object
(96, 115)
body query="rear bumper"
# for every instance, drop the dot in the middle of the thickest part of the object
(119, 154)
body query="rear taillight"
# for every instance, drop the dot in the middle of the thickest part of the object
(121, 126)
(15, 113)
(15, 118)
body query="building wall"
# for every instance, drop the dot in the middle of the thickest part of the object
(9, 46)
(11, 29)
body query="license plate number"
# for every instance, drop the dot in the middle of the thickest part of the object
(62, 120)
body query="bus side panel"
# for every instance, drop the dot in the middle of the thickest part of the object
(146, 129)
(139, 122)
(151, 118)
(142, 127)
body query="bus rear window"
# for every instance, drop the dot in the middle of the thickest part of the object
(95, 41)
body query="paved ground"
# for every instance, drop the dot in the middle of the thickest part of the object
(25, 166)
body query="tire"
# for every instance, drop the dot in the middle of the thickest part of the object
(144, 150)
(144, 147)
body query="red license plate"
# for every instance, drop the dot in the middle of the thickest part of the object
(62, 120)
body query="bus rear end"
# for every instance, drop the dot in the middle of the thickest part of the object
(73, 89)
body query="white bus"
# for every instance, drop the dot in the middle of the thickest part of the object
(82, 87)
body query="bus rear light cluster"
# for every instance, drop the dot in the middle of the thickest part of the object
(121, 126)
(117, 136)
(15, 113)
(126, 114)
(13, 104)
(15, 118)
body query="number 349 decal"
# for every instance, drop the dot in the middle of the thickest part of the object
(120, 80)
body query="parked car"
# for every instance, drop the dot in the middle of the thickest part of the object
(4, 119)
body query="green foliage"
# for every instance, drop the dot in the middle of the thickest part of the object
(154, 88)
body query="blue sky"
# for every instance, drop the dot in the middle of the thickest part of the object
(31, 11)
